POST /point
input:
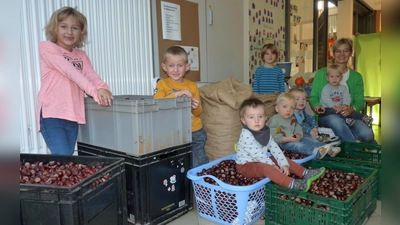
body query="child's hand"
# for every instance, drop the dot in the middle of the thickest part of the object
(319, 109)
(294, 138)
(344, 107)
(183, 93)
(314, 133)
(105, 97)
(195, 103)
(285, 170)
(337, 108)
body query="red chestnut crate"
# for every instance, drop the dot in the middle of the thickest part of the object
(354, 154)
(354, 210)
(83, 203)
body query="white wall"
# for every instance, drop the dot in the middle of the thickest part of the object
(345, 18)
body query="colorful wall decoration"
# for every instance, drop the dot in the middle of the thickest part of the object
(266, 25)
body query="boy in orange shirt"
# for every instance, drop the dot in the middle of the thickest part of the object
(176, 65)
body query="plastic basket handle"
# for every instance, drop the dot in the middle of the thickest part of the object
(219, 182)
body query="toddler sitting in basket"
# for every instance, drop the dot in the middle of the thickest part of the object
(254, 142)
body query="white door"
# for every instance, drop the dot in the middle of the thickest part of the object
(225, 39)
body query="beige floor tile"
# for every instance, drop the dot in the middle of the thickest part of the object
(378, 208)
(374, 220)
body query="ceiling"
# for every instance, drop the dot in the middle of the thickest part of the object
(374, 4)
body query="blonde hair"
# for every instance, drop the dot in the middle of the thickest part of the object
(285, 96)
(61, 14)
(334, 67)
(270, 47)
(341, 41)
(250, 103)
(297, 90)
(176, 51)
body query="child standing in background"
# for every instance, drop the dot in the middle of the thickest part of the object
(176, 65)
(268, 78)
(335, 98)
(305, 120)
(254, 143)
(288, 133)
(66, 74)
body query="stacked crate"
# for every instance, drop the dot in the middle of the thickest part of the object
(154, 137)
(84, 203)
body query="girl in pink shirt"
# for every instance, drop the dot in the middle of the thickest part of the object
(66, 73)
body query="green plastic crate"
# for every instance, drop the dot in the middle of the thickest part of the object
(351, 211)
(359, 157)
(367, 214)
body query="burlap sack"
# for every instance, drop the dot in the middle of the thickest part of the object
(269, 101)
(220, 116)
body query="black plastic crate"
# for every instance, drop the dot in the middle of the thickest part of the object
(81, 204)
(156, 184)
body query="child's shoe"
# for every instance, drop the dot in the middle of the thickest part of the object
(323, 150)
(334, 151)
(299, 184)
(368, 120)
(313, 174)
(350, 121)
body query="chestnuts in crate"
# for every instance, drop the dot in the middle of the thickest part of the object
(292, 155)
(55, 173)
(225, 171)
(332, 184)
(336, 184)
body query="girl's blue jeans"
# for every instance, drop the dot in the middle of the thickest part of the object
(305, 146)
(60, 135)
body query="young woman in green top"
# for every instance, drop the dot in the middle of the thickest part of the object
(342, 51)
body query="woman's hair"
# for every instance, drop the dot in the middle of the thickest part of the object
(270, 47)
(250, 102)
(298, 90)
(285, 96)
(334, 67)
(176, 51)
(342, 41)
(60, 15)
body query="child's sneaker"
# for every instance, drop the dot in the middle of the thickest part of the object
(313, 174)
(299, 184)
(350, 121)
(323, 150)
(334, 151)
(368, 120)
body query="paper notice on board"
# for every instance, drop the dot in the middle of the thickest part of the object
(171, 21)
(193, 57)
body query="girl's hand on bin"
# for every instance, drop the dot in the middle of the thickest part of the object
(105, 97)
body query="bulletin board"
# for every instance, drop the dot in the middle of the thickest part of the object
(189, 33)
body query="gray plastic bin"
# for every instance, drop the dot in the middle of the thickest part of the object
(137, 124)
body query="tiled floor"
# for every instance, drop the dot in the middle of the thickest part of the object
(193, 218)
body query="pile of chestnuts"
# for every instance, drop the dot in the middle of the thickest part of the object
(333, 184)
(225, 171)
(336, 184)
(304, 202)
(292, 155)
(57, 174)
